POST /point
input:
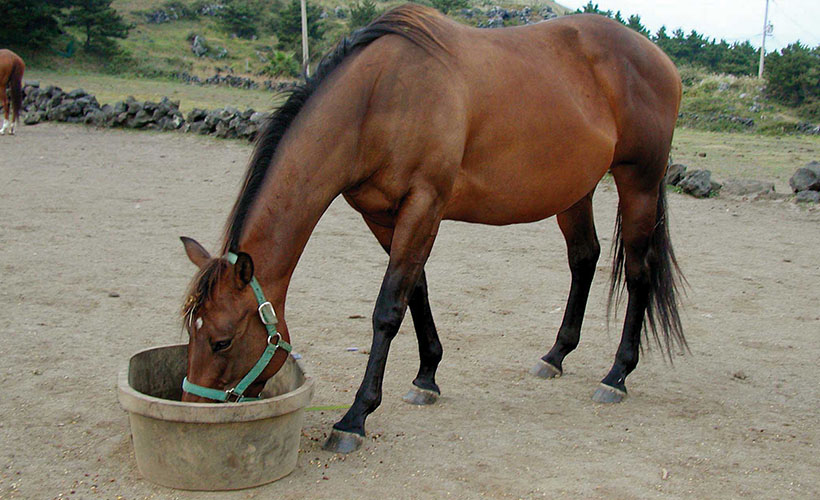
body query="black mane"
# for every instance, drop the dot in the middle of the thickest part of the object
(413, 22)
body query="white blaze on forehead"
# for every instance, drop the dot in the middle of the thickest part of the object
(198, 323)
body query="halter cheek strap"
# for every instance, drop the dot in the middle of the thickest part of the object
(275, 341)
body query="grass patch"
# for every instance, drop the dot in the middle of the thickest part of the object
(112, 88)
(745, 156)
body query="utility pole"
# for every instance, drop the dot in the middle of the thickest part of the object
(766, 31)
(306, 58)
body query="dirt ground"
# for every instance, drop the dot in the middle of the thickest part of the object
(92, 271)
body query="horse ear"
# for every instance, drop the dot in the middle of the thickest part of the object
(196, 252)
(243, 269)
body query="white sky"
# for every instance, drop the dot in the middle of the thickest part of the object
(734, 20)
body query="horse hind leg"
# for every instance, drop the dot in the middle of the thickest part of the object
(651, 272)
(583, 249)
(424, 391)
(4, 100)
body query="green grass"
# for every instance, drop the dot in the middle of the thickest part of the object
(709, 99)
(745, 156)
(111, 88)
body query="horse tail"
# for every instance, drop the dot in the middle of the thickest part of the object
(16, 86)
(666, 280)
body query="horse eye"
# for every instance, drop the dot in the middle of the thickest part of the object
(221, 345)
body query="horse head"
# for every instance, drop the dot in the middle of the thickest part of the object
(233, 345)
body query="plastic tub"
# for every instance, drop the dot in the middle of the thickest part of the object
(211, 446)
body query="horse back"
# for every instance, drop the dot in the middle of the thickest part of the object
(510, 125)
(553, 107)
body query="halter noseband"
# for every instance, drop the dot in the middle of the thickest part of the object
(268, 317)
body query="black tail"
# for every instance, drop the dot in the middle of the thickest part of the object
(16, 85)
(666, 279)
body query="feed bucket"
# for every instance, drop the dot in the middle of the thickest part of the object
(211, 446)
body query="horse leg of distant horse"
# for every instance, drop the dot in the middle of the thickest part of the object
(416, 227)
(424, 390)
(578, 227)
(638, 205)
(4, 100)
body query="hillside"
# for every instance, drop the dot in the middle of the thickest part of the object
(165, 48)
(160, 47)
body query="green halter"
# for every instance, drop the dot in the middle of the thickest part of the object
(268, 317)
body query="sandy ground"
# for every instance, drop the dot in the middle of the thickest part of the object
(87, 214)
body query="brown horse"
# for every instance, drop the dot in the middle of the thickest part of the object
(415, 119)
(12, 68)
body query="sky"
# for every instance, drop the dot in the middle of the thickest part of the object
(733, 20)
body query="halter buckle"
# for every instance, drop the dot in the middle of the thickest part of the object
(267, 314)
(231, 393)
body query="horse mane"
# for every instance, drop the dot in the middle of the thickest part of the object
(415, 23)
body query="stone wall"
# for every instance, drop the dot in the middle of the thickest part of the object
(77, 106)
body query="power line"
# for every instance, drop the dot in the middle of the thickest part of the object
(782, 12)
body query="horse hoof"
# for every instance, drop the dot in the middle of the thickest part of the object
(419, 396)
(343, 442)
(545, 370)
(608, 395)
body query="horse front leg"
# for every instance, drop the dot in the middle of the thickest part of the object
(424, 391)
(416, 227)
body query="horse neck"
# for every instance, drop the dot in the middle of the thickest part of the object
(310, 169)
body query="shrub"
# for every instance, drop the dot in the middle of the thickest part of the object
(793, 74)
(445, 6)
(362, 13)
(282, 64)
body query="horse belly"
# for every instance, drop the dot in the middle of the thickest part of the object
(529, 173)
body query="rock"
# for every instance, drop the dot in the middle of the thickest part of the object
(196, 115)
(807, 197)
(805, 179)
(814, 166)
(158, 114)
(674, 173)
(213, 118)
(141, 119)
(120, 107)
(194, 127)
(134, 107)
(749, 188)
(698, 183)
(199, 47)
(223, 130)
(258, 117)
(33, 117)
(77, 93)
(120, 118)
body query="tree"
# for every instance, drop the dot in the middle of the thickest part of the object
(793, 74)
(362, 13)
(591, 8)
(447, 6)
(634, 22)
(29, 23)
(288, 25)
(100, 23)
(240, 17)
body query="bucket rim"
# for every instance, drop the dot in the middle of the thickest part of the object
(137, 402)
